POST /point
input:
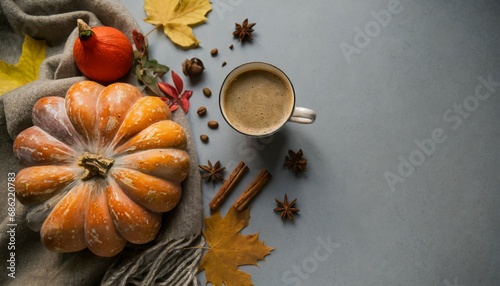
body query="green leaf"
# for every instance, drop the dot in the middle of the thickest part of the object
(137, 55)
(161, 69)
(148, 79)
(154, 88)
(150, 64)
(26, 69)
(138, 72)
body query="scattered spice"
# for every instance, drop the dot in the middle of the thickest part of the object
(296, 162)
(224, 63)
(226, 188)
(204, 138)
(192, 67)
(202, 110)
(252, 190)
(212, 124)
(286, 208)
(231, 47)
(244, 31)
(213, 172)
(207, 92)
(214, 52)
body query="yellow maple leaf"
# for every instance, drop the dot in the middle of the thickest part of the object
(228, 248)
(27, 68)
(177, 17)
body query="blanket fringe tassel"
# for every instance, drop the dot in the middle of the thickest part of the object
(169, 263)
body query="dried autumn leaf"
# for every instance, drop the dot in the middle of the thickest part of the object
(179, 85)
(230, 249)
(27, 68)
(174, 95)
(176, 18)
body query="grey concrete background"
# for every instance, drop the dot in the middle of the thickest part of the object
(428, 69)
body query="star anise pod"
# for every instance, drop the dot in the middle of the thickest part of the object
(213, 172)
(286, 208)
(244, 31)
(296, 162)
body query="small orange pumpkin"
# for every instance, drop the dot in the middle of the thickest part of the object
(103, 53)
(102, 164)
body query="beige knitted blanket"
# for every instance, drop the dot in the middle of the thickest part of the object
(171, 258)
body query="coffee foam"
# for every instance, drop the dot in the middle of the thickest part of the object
(258, 102)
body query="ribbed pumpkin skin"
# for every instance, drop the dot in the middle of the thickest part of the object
(105, 56)
(103, 212)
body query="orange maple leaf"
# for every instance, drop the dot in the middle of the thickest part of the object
(228, 248)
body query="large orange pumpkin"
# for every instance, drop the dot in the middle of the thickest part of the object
(102, 164)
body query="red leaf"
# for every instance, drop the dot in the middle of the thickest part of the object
(179, 85)
(169, 90)
(187, 94)
(173, 107)
(184, 100)
(175, 98)
(139, 41)
(169, 103)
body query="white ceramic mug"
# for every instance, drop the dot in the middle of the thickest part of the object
(257, 99)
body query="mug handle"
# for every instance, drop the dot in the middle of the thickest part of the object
(303, 115)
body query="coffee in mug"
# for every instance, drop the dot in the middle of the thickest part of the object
(257, 99)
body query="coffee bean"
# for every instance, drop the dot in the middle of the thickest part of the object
(212, 124)
(202, 110)
(204, 138)
(207, 92)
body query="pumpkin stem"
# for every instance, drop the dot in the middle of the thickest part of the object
(84, 31)
(94, 165)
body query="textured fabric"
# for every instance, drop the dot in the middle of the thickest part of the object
(55, 22)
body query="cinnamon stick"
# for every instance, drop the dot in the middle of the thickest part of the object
(252, 190)
(226, 188)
